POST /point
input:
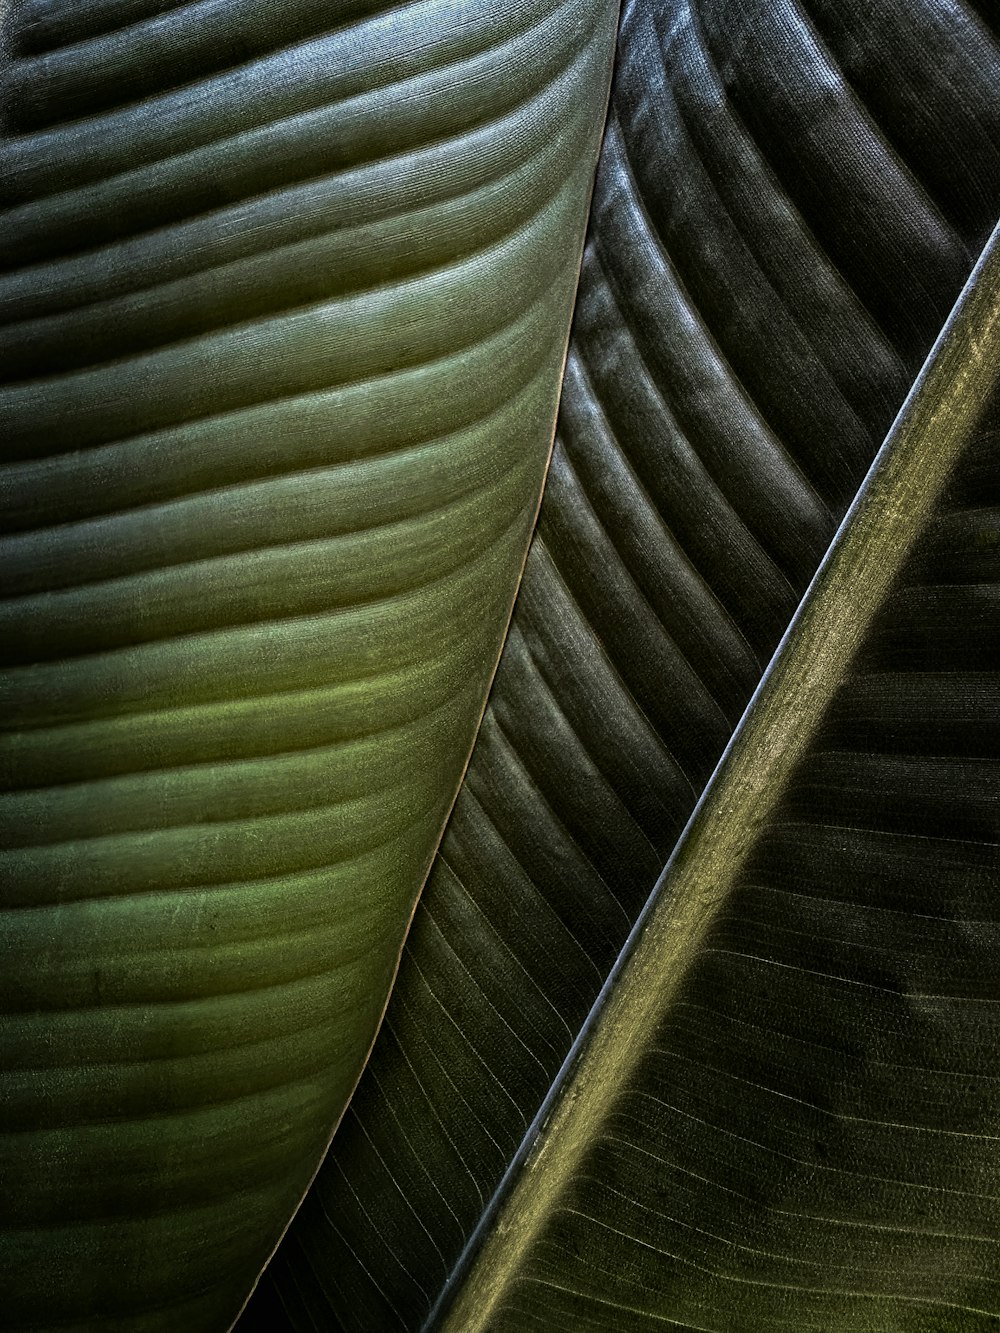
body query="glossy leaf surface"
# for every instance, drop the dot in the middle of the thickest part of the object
(285, 303)
(788, 202)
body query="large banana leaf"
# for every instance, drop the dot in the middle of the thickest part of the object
(285, 302)
(784, 1113)
(786, 208)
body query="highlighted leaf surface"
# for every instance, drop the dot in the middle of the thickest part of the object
(285, 303)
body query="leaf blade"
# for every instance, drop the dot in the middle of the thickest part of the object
(778, 731)
(280, 381)
(553, 861)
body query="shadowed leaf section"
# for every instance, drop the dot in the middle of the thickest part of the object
(783, 1111)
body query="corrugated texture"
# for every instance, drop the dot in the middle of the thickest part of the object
(776, 238)
(285, 301)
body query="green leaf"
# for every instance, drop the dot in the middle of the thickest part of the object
(785, 212)
(784, 1110)
(285, 301)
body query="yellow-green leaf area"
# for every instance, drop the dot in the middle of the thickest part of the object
(285, 300)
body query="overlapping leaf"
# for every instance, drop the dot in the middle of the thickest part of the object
(789, 200)
(285, 299)
(784, 1114)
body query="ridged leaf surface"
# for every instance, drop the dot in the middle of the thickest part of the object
(789, 199)
(285, 300)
